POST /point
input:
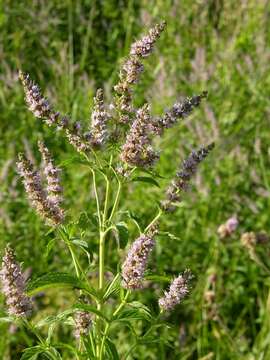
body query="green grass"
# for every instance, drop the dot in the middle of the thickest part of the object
(71, 48)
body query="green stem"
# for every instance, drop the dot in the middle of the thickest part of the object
(154, 220)
(32, 329)
(77, 266)
(106, 330)
(116, 201)
(105, 210)
(92, 343)
(74, 259)
(96, 196)
(101, 259)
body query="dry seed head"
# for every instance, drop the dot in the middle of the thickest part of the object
(249, 240)
(13, 286)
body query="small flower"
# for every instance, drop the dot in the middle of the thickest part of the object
(41, 108)
(54, 189)
(132, 68)
(19, 304)
(179, 288)
(98, 132)
(130, 73)
(83, 323)
(137, 150)
(45, 206)
(178, 111)
(228, 228)
(144, 46)
(36, 102)
(183, 177)
(136, 261)
(77, 140)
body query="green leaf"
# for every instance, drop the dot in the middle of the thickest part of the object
(152, 173)
(53, 354)
(113, 288)
(138, 312)
(73, 160)
(49, 248)
(32, 353)
(91, 309)
(122, 234)
(144, 310)
(6, 319)
(54, 319)
(53, 279)
(111, 349)
(146, 179)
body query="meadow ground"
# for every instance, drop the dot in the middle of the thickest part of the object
(72, 47)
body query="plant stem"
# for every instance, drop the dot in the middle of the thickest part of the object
(153, 221)
(78, 268)
(116, 201)
(106, 330)
(105, 210)
(101, 259)
(31, 328)
(96, 196)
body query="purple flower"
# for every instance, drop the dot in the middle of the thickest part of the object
(181, 182)
(13, 286)
(178, 111)
(98, 131)
(137, 150)
(136, 261)
(130, 73)
(178, 289)
(83, 322)
(46, 202)
(144, 46)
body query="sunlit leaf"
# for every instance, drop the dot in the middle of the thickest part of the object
(111, 349)
(146, 179)
(53, 279)
(113, 288)
(32, 353)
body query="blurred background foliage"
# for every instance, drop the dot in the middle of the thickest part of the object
(72, 47)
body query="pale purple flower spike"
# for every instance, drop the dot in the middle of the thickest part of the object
(19, 304)
(83, 322)
(136, 261)
(179, 288)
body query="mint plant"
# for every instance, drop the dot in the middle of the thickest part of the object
(117, 146)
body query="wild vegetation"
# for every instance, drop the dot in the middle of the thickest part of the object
(71, 49)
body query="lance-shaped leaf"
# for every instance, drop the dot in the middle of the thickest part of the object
(53, 279)
(113, 288)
